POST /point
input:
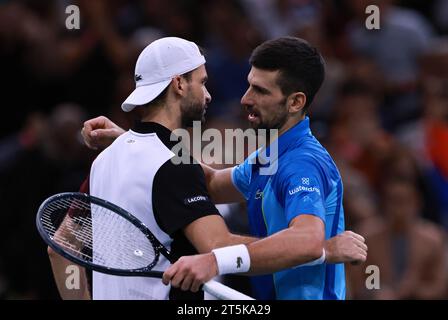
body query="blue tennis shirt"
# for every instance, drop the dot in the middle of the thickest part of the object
(305, 181)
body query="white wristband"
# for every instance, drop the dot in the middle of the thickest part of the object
(315, 262)
(232, 259)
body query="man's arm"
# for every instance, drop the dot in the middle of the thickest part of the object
(100, 132)
(59, 264)
(211, 232)
(302, 242)
(59, 267)
(220, 186)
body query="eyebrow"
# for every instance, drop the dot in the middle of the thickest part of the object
(260, 89)
(257, 87)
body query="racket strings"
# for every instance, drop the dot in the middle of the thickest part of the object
(96, 234)
(114, 234)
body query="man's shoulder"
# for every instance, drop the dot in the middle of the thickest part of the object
(177, 168)
(308, 161)
(309, 153)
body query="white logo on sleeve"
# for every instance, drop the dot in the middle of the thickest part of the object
(304, 187)
(195, 199)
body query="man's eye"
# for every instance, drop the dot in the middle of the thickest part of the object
(260, 90)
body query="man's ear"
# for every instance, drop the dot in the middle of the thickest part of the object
(296, 101)
(179, 85)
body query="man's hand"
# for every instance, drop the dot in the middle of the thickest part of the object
(190, 272)
(100, 132)
(346, 247)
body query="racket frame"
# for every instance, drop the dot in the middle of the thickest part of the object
(141, 272)
(213, 287)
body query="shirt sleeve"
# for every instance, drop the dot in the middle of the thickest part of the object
(180, 196)
(302, 188)
(241, 175)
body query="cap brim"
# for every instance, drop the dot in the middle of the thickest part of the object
(144, 94)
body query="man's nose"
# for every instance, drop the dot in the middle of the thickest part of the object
(245, 99)
(208, 97)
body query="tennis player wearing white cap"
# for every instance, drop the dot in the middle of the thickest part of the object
(158, 64)
(135, 172)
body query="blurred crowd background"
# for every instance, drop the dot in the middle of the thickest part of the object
(382, 113)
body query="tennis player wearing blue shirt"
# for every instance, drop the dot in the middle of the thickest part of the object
(298, 203)
(306, 182)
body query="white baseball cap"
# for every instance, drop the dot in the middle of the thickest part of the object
(158, 64)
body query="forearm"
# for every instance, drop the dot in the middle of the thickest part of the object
(302, 242)
(285, 249)
(235, 239)
(59, 266)
(211, 232)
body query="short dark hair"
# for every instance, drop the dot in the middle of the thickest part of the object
(301, 66)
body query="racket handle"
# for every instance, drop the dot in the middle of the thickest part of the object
(223, 292)
(212, 287)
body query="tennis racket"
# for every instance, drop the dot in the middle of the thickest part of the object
(101, 236)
